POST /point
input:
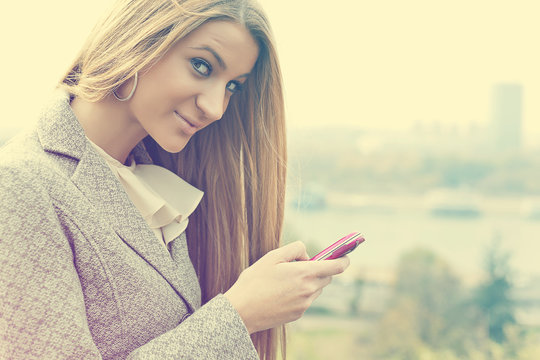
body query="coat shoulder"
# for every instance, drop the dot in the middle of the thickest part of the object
(24, 163)
(26, 174)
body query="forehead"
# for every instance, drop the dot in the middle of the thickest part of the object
(230, 40)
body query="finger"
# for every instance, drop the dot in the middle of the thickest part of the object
(331, 267)
(292, 251)
(324, 281)
(315, 295)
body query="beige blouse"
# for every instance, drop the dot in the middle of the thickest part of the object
(164, 199)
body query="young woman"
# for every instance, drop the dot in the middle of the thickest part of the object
(168, 99)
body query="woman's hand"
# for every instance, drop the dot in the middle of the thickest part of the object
(277, 290)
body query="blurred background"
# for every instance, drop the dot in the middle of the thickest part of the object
(415, 122)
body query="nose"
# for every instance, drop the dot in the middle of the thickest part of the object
(212, 102)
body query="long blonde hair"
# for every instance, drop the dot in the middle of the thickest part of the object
(239, 162)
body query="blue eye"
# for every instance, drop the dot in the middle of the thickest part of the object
(201, 66)
(234, 86)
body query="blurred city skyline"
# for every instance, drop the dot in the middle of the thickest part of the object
(384, 65)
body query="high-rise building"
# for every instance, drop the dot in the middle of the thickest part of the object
(506, 117)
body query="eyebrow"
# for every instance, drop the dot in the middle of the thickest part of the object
(218, 58)
(216, 55)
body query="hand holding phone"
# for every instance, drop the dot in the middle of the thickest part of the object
(341, 247)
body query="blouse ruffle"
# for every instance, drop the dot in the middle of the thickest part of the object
(164, 199)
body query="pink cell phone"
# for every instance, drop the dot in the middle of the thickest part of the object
(341, 247)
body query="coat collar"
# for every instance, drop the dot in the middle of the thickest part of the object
(60, 132)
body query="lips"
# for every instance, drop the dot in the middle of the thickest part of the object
(187, 126)
(186, 120)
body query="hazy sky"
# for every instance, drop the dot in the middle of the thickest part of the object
(377, 63)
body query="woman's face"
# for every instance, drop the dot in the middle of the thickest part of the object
(190, 87)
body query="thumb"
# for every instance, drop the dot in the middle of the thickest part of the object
(292, 251)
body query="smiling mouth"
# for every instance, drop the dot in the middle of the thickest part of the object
(184, 119)
(187, 127)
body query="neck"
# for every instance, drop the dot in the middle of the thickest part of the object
(109, 124)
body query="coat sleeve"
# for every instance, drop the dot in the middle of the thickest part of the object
(219, 334)
(42, 309)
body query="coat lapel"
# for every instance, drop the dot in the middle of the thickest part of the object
(60, 132)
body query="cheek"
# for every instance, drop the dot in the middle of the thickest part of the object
(165, 79)
(177, 89)
(160, 97)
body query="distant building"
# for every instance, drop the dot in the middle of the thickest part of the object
(506, 117)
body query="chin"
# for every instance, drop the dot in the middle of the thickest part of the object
(173, 145)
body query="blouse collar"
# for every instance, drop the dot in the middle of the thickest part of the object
(163, 198)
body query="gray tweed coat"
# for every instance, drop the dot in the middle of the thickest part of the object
(81, 274)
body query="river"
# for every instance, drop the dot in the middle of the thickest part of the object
(393, 225)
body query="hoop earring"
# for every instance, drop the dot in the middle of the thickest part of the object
(132, 90)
